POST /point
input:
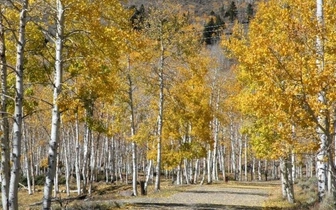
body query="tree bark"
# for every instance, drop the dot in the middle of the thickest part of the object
(66, 147)
(55, 121)
(148, 173)
(223, 162)
(160, 116)
(4, 124)
(17, 126)
(209, 164)
(245, 159)
(322, 155)
(77, 158)
(27, 159)
(286, 180)
(215, 149)
(134, 145)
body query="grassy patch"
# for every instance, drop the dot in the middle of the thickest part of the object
(305, 194)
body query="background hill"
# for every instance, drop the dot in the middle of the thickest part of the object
(206, 8)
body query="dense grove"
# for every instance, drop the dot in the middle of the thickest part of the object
(198, 91)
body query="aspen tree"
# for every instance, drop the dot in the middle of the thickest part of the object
(18, 116)
(323, 153)
(55, 122)
(284, 75)
(4, 129)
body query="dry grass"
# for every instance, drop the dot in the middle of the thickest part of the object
(101, 192)
(305, 198)
(104, 194)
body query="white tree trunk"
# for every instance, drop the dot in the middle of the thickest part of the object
(223, 163)
(294, 167)
(160, 116)
(27, 159)
(186, 174)
(134, 145)
(93, 158)
(55, 121)
(321, 164)
(148, 174)
(204, 170)
(87, 157)
(209, 164)
(259, 170)
(215, 149)
(178, 175)
(245, 159)
(4, 124)
(77, 158)
(56, 177)
(17, 125)
(107, 163)
(196, 173)
(233, 150)
(286, 180)
(240, 158)
(67, 154)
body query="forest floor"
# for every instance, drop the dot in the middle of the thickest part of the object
(214, 196)
(221, 195)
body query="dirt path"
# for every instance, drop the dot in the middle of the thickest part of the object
(206, 197)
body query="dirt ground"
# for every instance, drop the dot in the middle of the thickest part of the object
(232, 195)
(217, 196)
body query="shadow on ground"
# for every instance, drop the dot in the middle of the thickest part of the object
(227, 192)
(190, 206)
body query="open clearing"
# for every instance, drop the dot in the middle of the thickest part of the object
(234, 195)
(206, 197)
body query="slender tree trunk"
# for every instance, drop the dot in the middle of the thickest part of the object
(215, 149)
(160, 117)
(93, 158)
(245, 159)
(66, 147)
(87, 147)
(259, 170)
(191, 171)
(148, 174)
(55, 121)
(17, 126)
(56, 177)
(286, 180)
(209, 164)
(196, 171)
(223, 162)
(294, 167)
(204, 170)
(134, 145)
(240, 158)
(77, 157)
(322, 155)
(107, 157)
(4, 124)
(253, 169)
(27, 160)
(178, 175)
(32, 161)
(186, 164)
(233, 150)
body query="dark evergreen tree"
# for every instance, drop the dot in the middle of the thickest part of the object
(249, 11)
(232, 12)
(209, 32)
(213, 30)
(138, 17)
